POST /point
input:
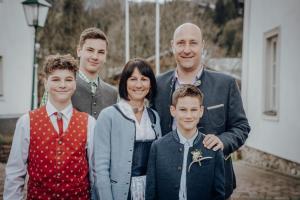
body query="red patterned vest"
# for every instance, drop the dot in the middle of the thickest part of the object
(57, 164)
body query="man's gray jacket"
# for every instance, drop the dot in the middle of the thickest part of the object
(223, 116)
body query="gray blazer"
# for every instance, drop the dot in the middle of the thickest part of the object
(113, 148)
(223, 116)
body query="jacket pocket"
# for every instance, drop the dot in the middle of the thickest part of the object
(207, 162)
(216, 115)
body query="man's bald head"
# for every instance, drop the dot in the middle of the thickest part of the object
(187, 47)
(187, 27)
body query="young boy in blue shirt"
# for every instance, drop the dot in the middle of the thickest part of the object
(179, 166)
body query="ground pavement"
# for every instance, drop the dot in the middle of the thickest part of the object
(2, 166)
(252, 184)
(258, 184)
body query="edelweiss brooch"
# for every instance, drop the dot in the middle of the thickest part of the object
(197, 158)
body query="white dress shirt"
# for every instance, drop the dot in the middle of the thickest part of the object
(144, 131)
(187, 144)
(16, 168)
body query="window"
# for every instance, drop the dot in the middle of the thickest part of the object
(271, 73)
(1, 77)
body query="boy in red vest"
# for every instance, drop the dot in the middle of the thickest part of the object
(52, 144)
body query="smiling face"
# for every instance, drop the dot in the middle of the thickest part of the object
(60, 85)
(187, 113)
(138, 86)
(187, 46)
(92, 56)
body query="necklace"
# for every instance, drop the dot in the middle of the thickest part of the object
(137, 110)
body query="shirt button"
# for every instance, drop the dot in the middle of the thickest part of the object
(94, 103)
(179, 168)
(59, 142)
(180, 149)
(95, 113)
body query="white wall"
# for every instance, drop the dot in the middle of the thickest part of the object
(279, 137)
(16, 48)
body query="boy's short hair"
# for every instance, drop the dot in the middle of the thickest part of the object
(92, 33)
(54, 62)
(187, 90)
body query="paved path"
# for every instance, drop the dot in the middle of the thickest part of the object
(253, 184)
(2, 168)
(259, 184)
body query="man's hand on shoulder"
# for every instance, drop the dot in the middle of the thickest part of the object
(211, 141)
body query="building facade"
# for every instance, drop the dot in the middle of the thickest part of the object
(16, 63)
(270, 83)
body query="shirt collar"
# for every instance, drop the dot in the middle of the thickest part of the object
(127, 109)
(86, 79)
(67, 111)
(198, 75)
(183, 140)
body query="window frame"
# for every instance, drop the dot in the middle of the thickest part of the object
(1, 77)
(271, 68)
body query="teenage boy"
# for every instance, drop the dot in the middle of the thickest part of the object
(180, 167)
(52, 144)
(92, 93)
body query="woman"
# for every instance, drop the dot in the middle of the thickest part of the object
(123, 136)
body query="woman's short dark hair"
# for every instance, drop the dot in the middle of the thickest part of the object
(145, 69)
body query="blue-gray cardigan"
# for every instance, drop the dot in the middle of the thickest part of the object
(113, 148)
(223, 116)
(164, 171)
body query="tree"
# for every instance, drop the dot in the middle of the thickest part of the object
(231, 39)
(220, 13)
(66, 20)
